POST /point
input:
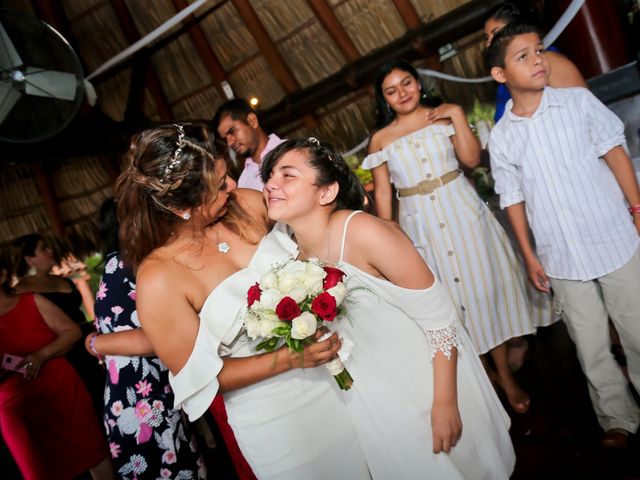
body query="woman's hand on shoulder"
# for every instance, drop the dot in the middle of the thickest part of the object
(446, 111)
(382, 246)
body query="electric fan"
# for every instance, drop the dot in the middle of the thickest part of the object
(41, 80)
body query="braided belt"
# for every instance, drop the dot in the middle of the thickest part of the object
(425, 187)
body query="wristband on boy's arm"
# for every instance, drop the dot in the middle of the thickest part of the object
(92, 346)
(634, 209)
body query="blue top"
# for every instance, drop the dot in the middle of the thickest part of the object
(503, 95)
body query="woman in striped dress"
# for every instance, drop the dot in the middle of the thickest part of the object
(418, 149)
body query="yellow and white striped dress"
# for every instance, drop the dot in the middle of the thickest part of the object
(459, 237)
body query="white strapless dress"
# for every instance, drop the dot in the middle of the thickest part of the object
(294, 426)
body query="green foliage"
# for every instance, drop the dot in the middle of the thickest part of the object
(363, 175)
(95, 268)
(481, 111)
(483, 181)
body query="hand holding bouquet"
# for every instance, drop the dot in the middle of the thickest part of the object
(290, 302)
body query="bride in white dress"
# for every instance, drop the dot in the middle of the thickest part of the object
(421, 402)
(196, 255)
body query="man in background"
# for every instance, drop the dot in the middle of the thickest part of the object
(237, 123)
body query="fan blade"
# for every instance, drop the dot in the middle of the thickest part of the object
(8, 98)
(9, 57)
(50, 83)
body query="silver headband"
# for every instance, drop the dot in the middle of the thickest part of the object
(175, 158)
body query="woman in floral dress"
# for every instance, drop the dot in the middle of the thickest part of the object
(148, 438)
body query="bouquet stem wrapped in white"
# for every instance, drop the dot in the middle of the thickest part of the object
(290, 302)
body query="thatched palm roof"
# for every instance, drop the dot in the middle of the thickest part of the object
(183, 83)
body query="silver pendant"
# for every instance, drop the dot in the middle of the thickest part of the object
(223, 247)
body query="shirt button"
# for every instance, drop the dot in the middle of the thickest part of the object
(442, 225)
(428, 174)
(462, 308)
(424, 160)
(432, 197)
(450, 253)
(457, 280)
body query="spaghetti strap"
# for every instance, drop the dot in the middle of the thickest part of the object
(344, 233)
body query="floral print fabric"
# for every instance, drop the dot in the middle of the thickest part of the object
(147, 437)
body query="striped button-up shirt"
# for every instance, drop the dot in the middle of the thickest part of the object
(552, 161)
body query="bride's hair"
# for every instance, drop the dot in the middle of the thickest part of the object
(170, 169)
(329, 166)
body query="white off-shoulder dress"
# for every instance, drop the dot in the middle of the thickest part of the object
(396, 332)
(459, 237)
(291, 427)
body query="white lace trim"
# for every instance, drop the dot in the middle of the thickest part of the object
(443, 340)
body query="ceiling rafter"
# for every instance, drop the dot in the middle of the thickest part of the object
(270, 52)
(462, 21)
(334, 28)
(203, 47)
(132, 35)
(408, 13)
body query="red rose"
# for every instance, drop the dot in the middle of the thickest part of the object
(253, 294)
(288, 309)
(324, 305)
(334, 276)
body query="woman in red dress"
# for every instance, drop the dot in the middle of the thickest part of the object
(46, 418)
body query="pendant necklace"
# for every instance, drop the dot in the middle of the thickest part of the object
(223, 247)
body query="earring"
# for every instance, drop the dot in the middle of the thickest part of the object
(185, 216)
(388, 108)
(423, 95)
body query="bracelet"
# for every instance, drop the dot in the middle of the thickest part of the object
(634, 209)
(92, 346)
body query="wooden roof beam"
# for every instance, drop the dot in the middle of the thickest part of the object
(412, 20)
(203, 47)
(132, 35)
(408, 13)
(334, 28)
(270, 52)
(458, 23)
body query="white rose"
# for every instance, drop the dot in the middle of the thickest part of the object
(313, 278)
(268, 281)
(269, 299)
(291, 275)
(303, 326)
(267, 325)
(252, 325)
(298, 293)
(338, 291)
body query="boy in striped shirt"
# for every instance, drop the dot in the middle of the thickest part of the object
(559, 166)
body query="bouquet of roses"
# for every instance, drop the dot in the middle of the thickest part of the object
(290, 302)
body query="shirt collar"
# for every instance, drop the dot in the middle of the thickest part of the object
(549, 99)
(272, 143)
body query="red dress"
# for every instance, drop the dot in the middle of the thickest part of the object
(48, 423)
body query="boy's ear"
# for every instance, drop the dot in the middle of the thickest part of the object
(498, 74)
(329, 193)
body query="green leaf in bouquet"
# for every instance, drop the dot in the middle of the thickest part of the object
(282, 331)
(268, 345)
